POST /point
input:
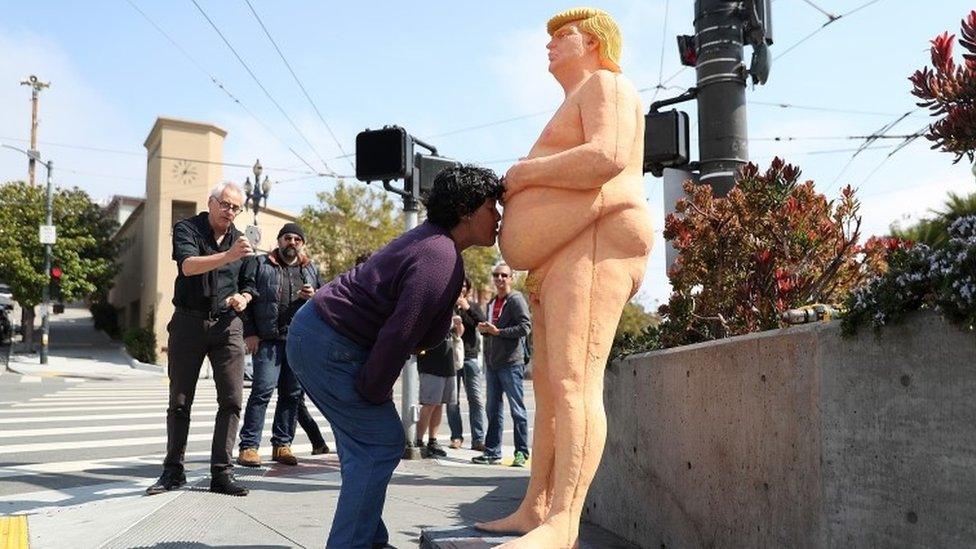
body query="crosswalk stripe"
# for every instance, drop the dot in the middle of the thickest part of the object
(81, 444)
(196, 412)
(156, 426)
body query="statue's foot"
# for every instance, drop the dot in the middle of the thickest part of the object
(546, 535)
(517, 523)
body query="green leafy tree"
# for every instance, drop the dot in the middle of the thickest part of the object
(934, 231)
(347, 222)
(478, 261)
(84, 250)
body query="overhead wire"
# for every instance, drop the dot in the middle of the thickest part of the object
(220, 85)
(830, 21)
(664, 34)
(298, 81)
(257, 81)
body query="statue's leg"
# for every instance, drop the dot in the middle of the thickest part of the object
(535, 505)
(586, 292)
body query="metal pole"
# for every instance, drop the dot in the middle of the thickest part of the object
(410, 386)
(45, 307)
(723, 143)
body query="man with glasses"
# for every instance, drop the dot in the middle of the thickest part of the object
(214, 284)
(508, 323)
(286, 278)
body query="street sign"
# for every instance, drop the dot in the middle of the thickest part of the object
(48, 234)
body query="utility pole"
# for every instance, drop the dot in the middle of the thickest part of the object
(723, 145)
(410, 388)
(36, 87)
(49, 224)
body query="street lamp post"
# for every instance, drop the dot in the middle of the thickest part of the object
(35, 156)
(257, 192)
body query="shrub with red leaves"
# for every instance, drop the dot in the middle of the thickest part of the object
(949, 91)
(772, 244)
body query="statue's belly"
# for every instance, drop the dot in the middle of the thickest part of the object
(539, 221)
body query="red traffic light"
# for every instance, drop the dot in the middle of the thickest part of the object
(56, 272)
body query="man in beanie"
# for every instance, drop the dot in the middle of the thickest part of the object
(287, 279)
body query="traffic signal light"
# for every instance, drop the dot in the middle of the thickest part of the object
(429, 166)
(384, 155)
(55, 283)
(666, 137)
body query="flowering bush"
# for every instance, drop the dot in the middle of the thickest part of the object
(949, 91)
(942, 279)
(772, 244)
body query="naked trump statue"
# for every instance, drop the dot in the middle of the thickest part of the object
(576, 218)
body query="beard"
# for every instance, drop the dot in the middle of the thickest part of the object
(289, 252)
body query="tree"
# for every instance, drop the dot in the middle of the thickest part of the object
(934, 231)
(84, 250)
(478, 261)
(949, 91)
(348, 222)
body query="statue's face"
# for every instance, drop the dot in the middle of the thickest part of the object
(568, 46)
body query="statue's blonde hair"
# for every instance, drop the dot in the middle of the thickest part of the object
(597, 23)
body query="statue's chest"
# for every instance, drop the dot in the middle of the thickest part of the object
(564, 131)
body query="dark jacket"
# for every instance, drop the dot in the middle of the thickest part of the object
(470, 318)
(261, 315)
(513, 324)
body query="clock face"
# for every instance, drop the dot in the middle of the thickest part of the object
(184, 172)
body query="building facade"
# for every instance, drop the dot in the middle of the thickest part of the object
(183, 164)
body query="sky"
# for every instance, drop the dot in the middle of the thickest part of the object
(469, 79)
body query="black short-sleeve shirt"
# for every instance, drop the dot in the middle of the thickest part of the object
(208, 292)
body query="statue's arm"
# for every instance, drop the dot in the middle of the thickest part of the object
(609, 109)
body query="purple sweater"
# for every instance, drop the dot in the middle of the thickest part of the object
(398, 302)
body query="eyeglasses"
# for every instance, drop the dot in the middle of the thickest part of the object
(500, 275)
(228, 207)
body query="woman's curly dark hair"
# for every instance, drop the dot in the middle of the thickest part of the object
(459, 191)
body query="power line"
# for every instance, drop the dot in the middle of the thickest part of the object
(175, 158)
(830, 21)
(265, 90)
(664, 34)
(220, 85)
(821, 109)
(491, 124)
(298, 81)
(821, 10)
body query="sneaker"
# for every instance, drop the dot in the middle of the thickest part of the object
(249, 457)
(485, 460)
(324, 449)
(225, 483)
(168, 481)
(519, 460)
(456, 443)
(435, 449)
(283, 455)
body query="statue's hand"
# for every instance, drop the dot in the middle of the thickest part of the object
(514, 179)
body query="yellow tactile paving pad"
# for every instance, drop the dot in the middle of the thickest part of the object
(13, 532)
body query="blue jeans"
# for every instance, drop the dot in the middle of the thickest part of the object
(369, 437)
(271, 371)
(506, 381)
(472, 377)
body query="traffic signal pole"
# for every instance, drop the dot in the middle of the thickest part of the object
(723, 145)
(46, 291)
(409, 376)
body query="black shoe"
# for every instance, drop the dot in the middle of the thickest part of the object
(485, 460)
(435, 449)
(169, 480)
(224, 483)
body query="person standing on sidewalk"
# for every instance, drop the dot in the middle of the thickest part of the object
(285, 279)
(214, 284)
(348, 345)
(470, 374)
(437, 388)
(505, 367)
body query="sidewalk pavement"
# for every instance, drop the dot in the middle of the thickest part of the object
(287, 507)
(78, 350)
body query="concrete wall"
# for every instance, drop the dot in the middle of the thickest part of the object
(795, 438)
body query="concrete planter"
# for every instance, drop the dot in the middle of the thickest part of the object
(795, 438)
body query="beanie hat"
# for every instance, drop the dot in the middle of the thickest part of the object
(292, 228)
